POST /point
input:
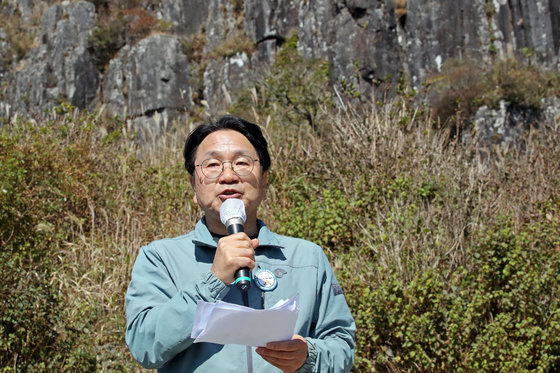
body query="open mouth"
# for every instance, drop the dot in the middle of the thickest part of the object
(230, 194)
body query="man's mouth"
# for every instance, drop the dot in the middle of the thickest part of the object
(230, 193)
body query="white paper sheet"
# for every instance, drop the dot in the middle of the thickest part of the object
(226, 323)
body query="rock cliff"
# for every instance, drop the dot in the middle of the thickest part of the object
(369, 45)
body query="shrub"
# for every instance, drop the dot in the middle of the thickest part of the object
(514, 286)
(125, 25)
(140, 24)
(107, 39)
(19, 37)
(236, 43)
(40, 185)
(461, 88)
(321, 218)
(295, 90)
(500, 315)
(434, 280)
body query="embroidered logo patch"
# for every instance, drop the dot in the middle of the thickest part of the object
(336, 289)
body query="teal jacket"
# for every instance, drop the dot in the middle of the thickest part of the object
(171, 275)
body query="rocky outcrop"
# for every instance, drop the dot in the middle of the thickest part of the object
(143, 84)
(504, 125)
(367, 34)
(227, 72)
(551, 111)
(508, 123)
(150, 90)
(369, 46)
(187, 16)
(3, 50)
(60, 67)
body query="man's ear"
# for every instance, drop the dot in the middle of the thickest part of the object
(193, 186)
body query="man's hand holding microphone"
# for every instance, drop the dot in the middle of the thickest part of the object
(235, 254)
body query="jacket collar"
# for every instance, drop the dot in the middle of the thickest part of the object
(202, 235)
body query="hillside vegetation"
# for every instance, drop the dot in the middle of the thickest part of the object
(448, 253)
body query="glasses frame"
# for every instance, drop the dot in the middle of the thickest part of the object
(231, 166)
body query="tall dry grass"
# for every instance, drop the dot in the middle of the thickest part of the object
(390, 198)
(414, 201)
(147, 197)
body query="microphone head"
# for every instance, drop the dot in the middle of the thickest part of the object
(232, 208)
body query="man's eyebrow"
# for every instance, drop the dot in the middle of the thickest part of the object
(217, 153)
(212, 153)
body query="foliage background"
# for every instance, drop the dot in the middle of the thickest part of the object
(448, 252)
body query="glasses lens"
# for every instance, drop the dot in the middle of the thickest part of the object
(211, 168)
(242, 165)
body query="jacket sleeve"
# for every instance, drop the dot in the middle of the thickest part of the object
(159, 314)
(331, 346)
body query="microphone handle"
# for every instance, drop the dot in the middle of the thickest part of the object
(243, 279)
(242, 275)
(234, 228)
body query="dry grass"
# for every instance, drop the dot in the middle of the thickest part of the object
(95, 267)
(412, 198)
(20, 35)
(450, 190)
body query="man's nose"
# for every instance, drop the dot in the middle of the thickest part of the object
(228, 173)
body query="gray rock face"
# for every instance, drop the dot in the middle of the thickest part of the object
(187, 16)
(315, 28)
(435, 31)
(60, 68)
(360, 58)
(504, 125)
(551, 112)
(3, 50)
(533, 25)
(227, 72)
(220, 24)
(268, 23)
(369, 45)
(223, 78)
(144, 84)
(507, 124)
(115, 88)
(156, 83)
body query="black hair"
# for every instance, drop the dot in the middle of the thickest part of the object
(228, 122)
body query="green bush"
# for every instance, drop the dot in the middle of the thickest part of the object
(497, 313)
(107, 39)
(323, 219)
(515, 285)
(41, 183)
(461, 88)
(76, 202)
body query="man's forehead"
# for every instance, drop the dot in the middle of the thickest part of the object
(225, 142)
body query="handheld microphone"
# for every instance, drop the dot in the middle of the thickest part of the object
(232, 215)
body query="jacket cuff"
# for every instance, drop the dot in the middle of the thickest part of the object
(309, 364)
(215, 286)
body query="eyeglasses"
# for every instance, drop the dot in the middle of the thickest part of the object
(212, 168)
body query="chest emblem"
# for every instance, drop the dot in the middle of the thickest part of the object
(265, 280)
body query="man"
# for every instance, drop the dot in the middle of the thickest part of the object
(229, 159)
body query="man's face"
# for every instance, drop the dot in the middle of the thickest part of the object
(209, 194)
